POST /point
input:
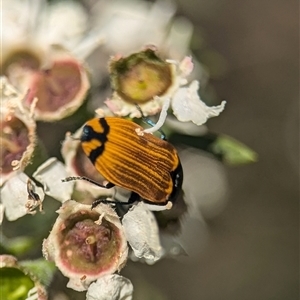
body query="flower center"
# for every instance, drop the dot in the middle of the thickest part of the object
(55, 87)
(86, 246)
(141, 76)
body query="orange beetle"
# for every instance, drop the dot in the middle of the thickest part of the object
(144, 164)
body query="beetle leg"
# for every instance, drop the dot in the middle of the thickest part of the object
(71, 178)
(133, 198)
(103, 200)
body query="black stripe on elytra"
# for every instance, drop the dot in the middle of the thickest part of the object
(89, 134)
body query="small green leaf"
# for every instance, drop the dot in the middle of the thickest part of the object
(232, 151)
(222, 147)
(42, 269)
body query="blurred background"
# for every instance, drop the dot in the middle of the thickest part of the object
(252, 251)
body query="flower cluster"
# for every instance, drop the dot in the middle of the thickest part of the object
(49, 71)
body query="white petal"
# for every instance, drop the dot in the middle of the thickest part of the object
(1, 213)
(187, 106)
(110, 287)
(162, 117)
(142, 232)
(78, 285)
(14, 196)
(50, 174)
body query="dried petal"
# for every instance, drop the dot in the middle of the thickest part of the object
(14, 196)
(142, 232)
(112, 287)
(50, 174)
(187, 106)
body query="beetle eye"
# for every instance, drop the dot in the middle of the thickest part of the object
(86, 134)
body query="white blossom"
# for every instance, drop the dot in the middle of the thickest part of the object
(86, 244)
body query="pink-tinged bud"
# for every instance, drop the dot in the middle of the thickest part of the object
(17, 137)
(86, 244)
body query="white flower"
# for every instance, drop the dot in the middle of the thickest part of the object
(142, 23)
(17, 142)
(86, 244)
(145, 79)
(155, 84)
(39, 54)
(38, 25)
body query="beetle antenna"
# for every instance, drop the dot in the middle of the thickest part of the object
(72, 178)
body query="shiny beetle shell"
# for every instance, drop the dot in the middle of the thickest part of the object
(143, 164)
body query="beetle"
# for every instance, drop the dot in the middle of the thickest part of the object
(147, 165)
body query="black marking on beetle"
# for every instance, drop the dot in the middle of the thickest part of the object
(89, 134)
